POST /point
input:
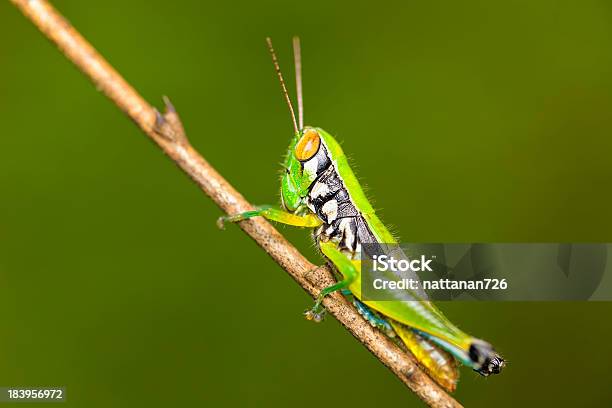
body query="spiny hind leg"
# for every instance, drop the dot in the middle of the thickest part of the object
(273, 214)
(345, 266)
(374, 319)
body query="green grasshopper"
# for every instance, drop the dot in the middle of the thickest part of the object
(320, 191)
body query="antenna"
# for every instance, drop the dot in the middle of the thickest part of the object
(282, 83)
(297, 57)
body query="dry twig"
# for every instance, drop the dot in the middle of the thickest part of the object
(167, 132)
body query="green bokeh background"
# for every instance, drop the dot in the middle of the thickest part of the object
(468, 121)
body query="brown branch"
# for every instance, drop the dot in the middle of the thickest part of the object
(167, 132)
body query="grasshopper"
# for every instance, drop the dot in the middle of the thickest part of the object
(320, 191)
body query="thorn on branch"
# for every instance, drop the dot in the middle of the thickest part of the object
(169, 125)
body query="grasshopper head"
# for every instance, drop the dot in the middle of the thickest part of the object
(301, 166)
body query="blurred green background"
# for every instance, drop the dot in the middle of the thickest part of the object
(468, 121)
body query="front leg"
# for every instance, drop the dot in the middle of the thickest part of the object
(274, 214)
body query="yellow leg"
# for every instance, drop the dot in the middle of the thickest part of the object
(274, 214)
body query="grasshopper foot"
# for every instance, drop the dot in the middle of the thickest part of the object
(230, 218)
(221, 223)
(316, 314)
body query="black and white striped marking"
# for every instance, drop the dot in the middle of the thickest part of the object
(329, 199)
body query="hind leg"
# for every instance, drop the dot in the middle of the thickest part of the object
(372, 318)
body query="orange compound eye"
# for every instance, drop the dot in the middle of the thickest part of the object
(308, 145)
